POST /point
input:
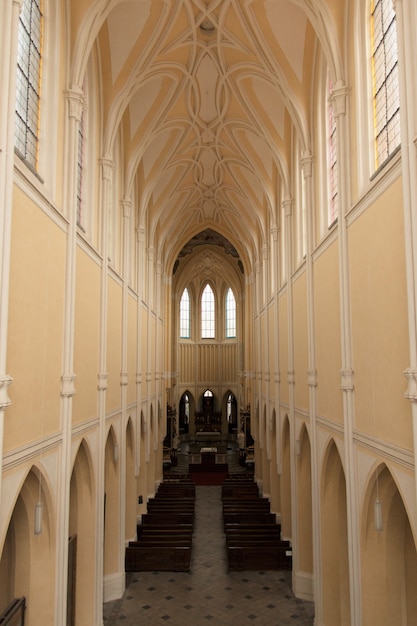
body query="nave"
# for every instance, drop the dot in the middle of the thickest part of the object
(209, 593)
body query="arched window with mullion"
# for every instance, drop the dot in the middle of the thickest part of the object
(230, 314)
(385, 80)
(185, 315)
(28, 81)
(208, 317)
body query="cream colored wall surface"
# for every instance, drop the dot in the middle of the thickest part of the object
(300, 342)
(35, 324)
(327, 334)
(379, 320)
(272, 333)
(86, 337)
(283, 347)
(131, 348)
(114, 343)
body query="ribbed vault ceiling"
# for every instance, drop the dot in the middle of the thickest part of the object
(206, 96)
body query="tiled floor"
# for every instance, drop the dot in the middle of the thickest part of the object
(209, 594)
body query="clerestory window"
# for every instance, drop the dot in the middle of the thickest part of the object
(230, 314)
(208, 320)
(28, 81)
(185, 315)
(386, 99)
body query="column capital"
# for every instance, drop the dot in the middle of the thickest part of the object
(127, 207)
(124, 379)
(291, 377)
(306, 163)
(68, 385)
(5, 383)
(107, 166)
(346, 379)
(411, 376)
(76, 102)
(275, 232)
(338, 98)
(312, 378)
(287, 206)
(102, 381)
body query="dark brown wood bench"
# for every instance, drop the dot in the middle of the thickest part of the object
(253, 527)
(259, 557)
(163, 528)
(247, 505)
(252, 517)
(150, 557)
(176, 491)
(171, 518)
(240, 491)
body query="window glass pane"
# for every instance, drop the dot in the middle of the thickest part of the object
(385, 79)
(207, 314)
(230, 314)
(28, 80)
(185, 315)
(332, 162)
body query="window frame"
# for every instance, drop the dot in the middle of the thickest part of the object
(188, 336)
(208, 317)
(27, 125)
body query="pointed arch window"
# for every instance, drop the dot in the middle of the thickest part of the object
(28, 81)
(208, 321)
(185, 315)
(386, 99)
(80, 170)
(230, 314)
(331, 161)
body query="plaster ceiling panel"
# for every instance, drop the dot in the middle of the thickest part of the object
(128, 18)
(289, 24)
(267, 104)
(143, 102)
(207, 76)
(156, 153)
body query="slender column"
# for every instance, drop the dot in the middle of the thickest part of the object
(266, 377)
(149, 348)
(406, 14)
(258, 435)
(9, 20)
(288, 210)
(338, 100)
(140, 242)
(107, 167)
(277, 377)
(158, 379)
(307, 167)
(124, 375)
(75, 104)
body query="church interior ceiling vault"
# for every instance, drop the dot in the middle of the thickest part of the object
(207, 97)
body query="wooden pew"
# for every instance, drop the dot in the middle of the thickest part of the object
(168, 519)
(249, 518)
(239, 490)
(163, 529)
(175, 558)
(259, 557)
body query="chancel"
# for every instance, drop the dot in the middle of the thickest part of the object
(208, 292)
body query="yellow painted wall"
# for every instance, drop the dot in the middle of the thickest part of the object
(300, 342)
(114, 343)
(131, 348)
(35, 324)
(379, 320)
(86, 337)
(283, 347)
(327, 334)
